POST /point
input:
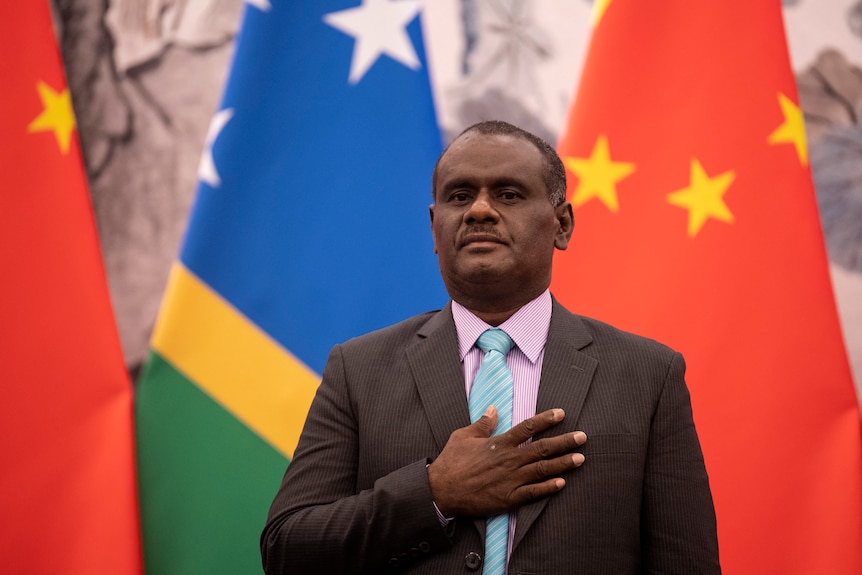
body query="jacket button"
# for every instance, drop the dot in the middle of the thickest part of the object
(473, 561)
(424, 547)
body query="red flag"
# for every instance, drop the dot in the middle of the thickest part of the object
(67, 487)
(697, 225)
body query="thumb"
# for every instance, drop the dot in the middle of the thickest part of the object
(485, 425)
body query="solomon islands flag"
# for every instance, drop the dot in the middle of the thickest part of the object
(310, 226)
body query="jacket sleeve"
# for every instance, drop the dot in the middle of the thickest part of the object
(678, 516)
(320, 522)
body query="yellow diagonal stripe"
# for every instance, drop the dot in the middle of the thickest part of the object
(234, 361)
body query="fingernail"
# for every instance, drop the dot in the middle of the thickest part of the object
(558, 414)
(580, 437)
(489, 411)
(578, 458)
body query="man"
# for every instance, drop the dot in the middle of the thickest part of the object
(602, 471)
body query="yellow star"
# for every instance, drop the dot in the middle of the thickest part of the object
(599, 7)
(598, 175)
(792, 131)
(703, 198)
(57, 116)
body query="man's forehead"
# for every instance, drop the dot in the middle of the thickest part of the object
(490, 148)
(490, 160)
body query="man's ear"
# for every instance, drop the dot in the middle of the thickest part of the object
(566, 219)
(433, 235)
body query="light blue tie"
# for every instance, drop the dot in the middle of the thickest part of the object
(493, 386)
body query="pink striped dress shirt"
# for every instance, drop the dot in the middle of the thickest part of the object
(528, 328)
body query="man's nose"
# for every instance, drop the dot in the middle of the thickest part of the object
(482, 209)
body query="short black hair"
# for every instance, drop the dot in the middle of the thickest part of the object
(555, 172)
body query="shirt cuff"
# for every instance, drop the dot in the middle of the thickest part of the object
(444, 521)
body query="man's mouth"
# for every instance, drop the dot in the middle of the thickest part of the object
(480, 238)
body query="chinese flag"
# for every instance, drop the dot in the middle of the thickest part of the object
(697, 225)
(67, 485)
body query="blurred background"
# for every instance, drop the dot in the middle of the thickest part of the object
(146, 77)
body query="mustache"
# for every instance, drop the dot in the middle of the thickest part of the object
(483, 231)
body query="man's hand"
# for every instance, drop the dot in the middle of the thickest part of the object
(477, 475)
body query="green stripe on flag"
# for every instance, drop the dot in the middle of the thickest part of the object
(206, 480)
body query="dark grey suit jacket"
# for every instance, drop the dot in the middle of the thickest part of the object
(356, 498)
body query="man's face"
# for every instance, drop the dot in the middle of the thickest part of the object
(494, 227)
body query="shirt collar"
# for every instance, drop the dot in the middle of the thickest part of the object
(528, 327)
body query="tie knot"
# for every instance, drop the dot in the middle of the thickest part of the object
(495, 339)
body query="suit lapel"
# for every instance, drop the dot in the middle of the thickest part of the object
(436, 365)
(566, 377)
(439, 378)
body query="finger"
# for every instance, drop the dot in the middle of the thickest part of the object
(533, 425)
(549, 447)
(548, 468)
(484, 426)
(533, 491)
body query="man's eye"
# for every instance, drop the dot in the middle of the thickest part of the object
(508, 195)
(459, 197)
